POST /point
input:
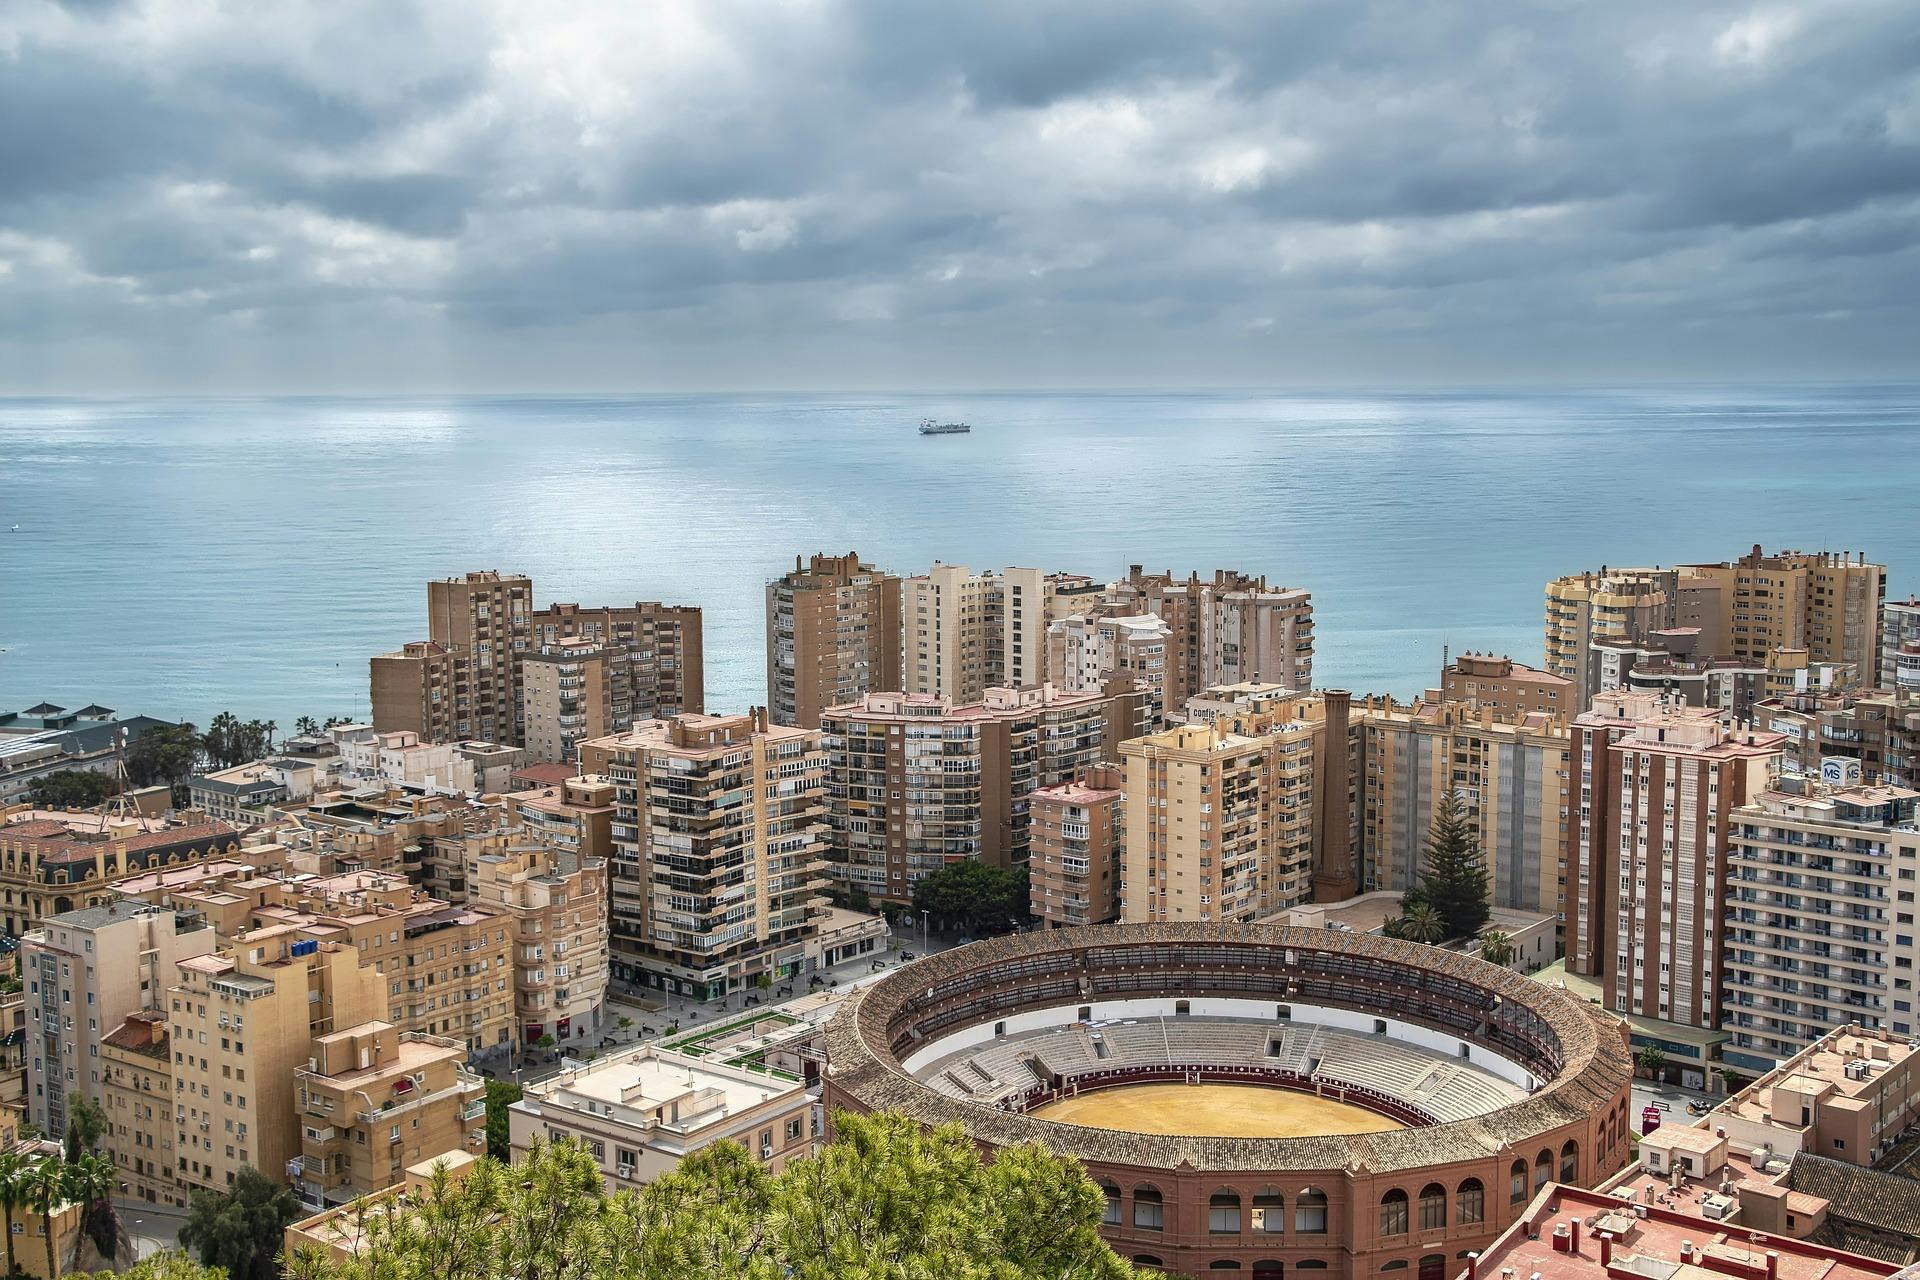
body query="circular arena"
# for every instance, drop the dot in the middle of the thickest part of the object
(1257, 1099)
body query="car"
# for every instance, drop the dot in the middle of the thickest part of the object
(1699, 1107)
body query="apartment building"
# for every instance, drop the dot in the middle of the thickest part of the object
(567, 697)
(1823, 601)
(1880, 728)
(575, 816)
(445, 968)
(1900, 644)
(1614, 606)
(239, 1026)
(916, 781)
(1647, 849)
(1819, 928)
(53, 861)
(381, 830)
(1847, 1096)
(464, 681)
(1511, 690)
(85, 971)
(247, 793)
(963, 632)
(1074, 862)
(373, 1100)
(400, 759)
(719, 862)
(136, 1096)
(640, 1112)
(558, 904)
(1231, 629)
(1089, 651)
(1220, 821)
(833, 635)
(1510, 777)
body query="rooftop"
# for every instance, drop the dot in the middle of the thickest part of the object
(1655, 1244)
(652, 1087)
(1822, 1068)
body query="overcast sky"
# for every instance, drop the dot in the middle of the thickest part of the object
(387, 195)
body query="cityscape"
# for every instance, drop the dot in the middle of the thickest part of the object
(1294, 973)
(898, 640)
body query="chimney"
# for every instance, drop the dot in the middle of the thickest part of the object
(1686, 1252)
(1574, 1223)
(1606, 1249)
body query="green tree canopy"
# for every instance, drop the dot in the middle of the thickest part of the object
(1453, 875)
(982, 900)
(168, 1265)
(887, 1200)
(86, 1122)
(501, 1094)
(163, 755)
(70, 789)
(240, 1229)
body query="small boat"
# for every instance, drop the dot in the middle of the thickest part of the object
(928, 427)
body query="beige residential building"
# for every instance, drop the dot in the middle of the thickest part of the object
(1647, 850)
(446, 968)
(719, 866)
(1088, 651)
(1848, 1096)
(401, 760)
(917, 781)
(576, 816)
(136, 1097)
(640, 1112)
(1221, 822)
(965, 632)
(465, 680)
(85, 971)
(567, 697)
(1879, 728)
(1817, 934)
(1511, 690)
(239, 1026)
(1825, 602)
(1510, 777)
(833, 635)
(1900, 644)
(373, 1100)
(1074, 862)
(558, 904)
(1232, 629)
(53, 861)
(1617, 606)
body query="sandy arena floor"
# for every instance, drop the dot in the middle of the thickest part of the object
(1214, 1110)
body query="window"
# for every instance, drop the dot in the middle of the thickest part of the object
(1433, 1207)
(1147, 1209)
(1570, 1162)
(1223, 1214)
(1310, 1212)
(1393, 1213)
(1517, 1187)
(1470, 1203)
(1542, 1169)
(1269, 1211)
(1110, 1216)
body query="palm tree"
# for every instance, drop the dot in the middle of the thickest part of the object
(13, 1197)
(306, 727)
(1496, 948)
(1423, 924)
(46, 1190)
(91, 1181)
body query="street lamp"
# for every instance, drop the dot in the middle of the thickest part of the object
(923, 930)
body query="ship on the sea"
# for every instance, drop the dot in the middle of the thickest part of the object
(928, 427)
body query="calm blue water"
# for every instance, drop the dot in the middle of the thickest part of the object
(183, 557)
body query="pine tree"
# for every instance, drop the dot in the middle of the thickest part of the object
(1453, 879)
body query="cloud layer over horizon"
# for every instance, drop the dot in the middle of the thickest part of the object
(486, 195)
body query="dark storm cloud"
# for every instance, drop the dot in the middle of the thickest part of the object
(773, 194)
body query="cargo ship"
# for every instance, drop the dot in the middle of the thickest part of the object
(928, 427)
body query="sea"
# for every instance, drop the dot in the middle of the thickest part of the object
(183, 557)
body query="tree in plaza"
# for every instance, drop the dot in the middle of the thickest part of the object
(501, 1094)
(1453, 875)
(1650, 1058)
(974, 896)
(886, 1200)
(240, 1229)
(70, 789)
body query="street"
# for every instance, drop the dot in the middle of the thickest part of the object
(1671, 1096)
(152, 1228)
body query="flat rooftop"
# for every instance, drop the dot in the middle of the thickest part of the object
(1822, 1069)
(689, 1094)
(1662, 1245)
